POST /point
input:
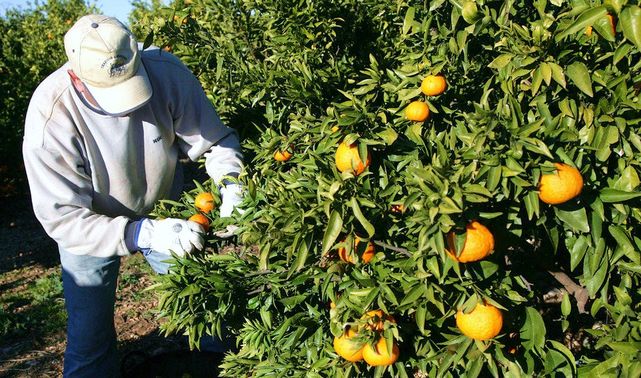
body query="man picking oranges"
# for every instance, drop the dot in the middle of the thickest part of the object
(103, 135)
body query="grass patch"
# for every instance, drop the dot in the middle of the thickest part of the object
(36, 307)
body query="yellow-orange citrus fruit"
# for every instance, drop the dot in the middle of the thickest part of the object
(334, 129)
(479, 243)
(417, 111)
(204, 202)
(376, 319)
(348, 159)
(482, 323)
(433, 85)
(348, 348)
(366, 257)
(282, 155)
(560, 186)
(378, 355)
(201, 220)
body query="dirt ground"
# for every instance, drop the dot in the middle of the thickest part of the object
(27, 253)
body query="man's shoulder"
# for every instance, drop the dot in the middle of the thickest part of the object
(47, 102)
(156, 59)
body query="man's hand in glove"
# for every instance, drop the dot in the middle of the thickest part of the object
(167, 235)
(231, 197)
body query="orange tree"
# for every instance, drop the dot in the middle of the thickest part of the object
(537, 288)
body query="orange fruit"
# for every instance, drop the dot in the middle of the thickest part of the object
(433, 85)
(282, 155)
(378, 355)
(417, 111)
(204, 202)
(561, 186)
(347, 347)
(482, 323)
(201, 220)
(376, 320)
(334, 129)
(479, 243)
(366, 257)
(348, 159)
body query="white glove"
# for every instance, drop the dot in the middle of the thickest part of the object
(170, 235)
(227, 232)
(231, 196)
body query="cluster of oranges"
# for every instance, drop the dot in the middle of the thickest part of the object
(432, 85)
(353, 347)
(204, 203)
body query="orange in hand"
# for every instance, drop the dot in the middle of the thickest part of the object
(201, 220)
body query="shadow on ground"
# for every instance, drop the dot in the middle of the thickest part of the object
(156, 356)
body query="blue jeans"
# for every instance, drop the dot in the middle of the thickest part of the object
(89, 285)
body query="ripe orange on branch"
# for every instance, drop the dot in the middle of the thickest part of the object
(479, 243)
(482, 323)
(347, 347)
(433, 85)
(560, 186)
(379, 355)
(348, 159)
(282, 155)
(417, 111)
(204, 202)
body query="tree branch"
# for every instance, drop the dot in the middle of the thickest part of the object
(579, 292)
(392, 248)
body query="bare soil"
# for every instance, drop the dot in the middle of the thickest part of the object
(27, 253)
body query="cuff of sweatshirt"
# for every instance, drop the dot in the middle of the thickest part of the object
(132, 230)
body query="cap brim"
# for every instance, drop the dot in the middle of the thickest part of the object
(124, 97)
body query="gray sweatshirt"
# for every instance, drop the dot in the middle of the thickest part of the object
(90, 174)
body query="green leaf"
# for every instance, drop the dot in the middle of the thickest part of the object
(533, 330)
(579, 75)
(587, 18)
(333, 230)
(622, 239)
(609, 195)
(557, 74)
(630, 21)
(409, 20)
(501, 61)
(577, 251)
(604, 28)
(576, 219)
(566, 306)
(369, 228)
(389, 135)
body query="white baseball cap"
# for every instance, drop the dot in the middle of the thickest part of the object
(104, 54)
